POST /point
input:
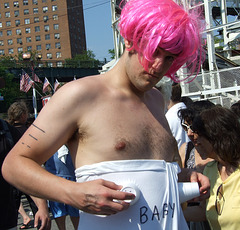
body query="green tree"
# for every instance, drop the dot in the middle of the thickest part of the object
(83, 60)
(112, 53)
(11, 91)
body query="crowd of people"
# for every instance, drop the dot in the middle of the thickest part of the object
(127, 151)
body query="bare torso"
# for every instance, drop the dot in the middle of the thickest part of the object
(118, 126)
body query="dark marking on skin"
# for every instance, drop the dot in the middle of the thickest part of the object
(38, 128)
(28, 146)
(33, 137)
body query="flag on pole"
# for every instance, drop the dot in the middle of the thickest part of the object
(45, 85)
(56, 84)
(36, 78)
(25, 82)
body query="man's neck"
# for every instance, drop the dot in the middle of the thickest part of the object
(172, 103)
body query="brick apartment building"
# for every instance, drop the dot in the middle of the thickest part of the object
(53, 28)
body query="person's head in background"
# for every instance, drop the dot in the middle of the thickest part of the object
(217, 135)
(236, 108)
(187, 101)
(188, 114)
(18, 113)
(150, 26)
(176, 94)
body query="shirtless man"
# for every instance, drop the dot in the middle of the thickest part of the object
(112, 117)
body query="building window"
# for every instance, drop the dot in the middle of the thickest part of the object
(1, 43)
(27, 21)
(26, 11)
(0, 24)
(39, 47)
(36, 19)
(44, 1)
(48, 46)
(38, 38)
(16, 13)
(58, 45)
(29, 48)
(35, 10)
(59, 64)
(55, 17)
(55, 26)
(19, 41)
(46, 28)
(56, 35)
(47, 37)
(20, 50)
(17, 22)
(28, 30)
(10, 51)
(49, 56)
(25, 2)
(1, 33)
(0, 15)
(2, 52)
(7, 14)
(45, 9)
(16, 4)
(18, 32)
(54, 8)
(45, 18)
(35, 2)
(28, 39)
(8, 23)
(50, 64)
(37, 28)
(6, 5)
(10, 41)
(9, 32)
(58, 54)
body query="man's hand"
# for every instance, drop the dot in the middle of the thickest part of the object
(100, 197)
(204, 184)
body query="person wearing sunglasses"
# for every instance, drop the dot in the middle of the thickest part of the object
(190, 157)
(217, 136)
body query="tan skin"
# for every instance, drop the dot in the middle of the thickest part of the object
(115, 116)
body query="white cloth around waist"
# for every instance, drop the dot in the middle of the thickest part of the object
(158, 206)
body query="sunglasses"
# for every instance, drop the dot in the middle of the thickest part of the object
(187, 127)
(219, 203)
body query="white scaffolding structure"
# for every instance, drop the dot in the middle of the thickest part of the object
(220, 83)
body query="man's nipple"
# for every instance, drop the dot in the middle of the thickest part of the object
(121, 145)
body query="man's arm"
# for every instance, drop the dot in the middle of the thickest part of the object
(54, 126)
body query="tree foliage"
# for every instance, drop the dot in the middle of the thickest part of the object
(84, 60)
(10, 91)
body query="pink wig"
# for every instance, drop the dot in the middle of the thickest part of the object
(149, 24)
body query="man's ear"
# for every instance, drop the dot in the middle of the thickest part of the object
(128, 44)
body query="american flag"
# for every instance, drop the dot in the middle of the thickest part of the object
(25, 82)
(45, 85)
(56, 84)
(36, 78)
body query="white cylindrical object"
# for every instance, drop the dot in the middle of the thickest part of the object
(188, 191)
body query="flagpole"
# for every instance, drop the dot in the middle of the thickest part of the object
(34, 102)
(34, 93)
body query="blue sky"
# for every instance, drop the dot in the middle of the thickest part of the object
(99, 35)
